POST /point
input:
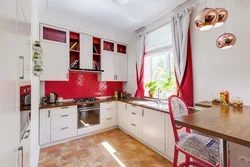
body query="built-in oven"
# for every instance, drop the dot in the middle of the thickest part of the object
(88, 115)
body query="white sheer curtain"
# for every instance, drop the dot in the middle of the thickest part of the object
(180, 26)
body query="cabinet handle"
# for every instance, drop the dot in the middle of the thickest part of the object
(22, 70)
(64, 115)
(21, 149)
(133, 124)
(133, 105)
(67, 75)
(109, 109)
(64, 128)
(133, 113)
(48, 113)
(64, 107)
(109, 118)
(116, 77)
(125, 106)
(143, 112)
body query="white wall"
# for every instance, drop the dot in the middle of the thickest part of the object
(131, 85)
(216, 69)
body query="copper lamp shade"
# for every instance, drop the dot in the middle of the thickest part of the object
(206, 19)
(226, 41)
(223, 15)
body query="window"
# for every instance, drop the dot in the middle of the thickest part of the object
(159, 61)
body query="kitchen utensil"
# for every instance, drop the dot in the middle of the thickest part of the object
(53, 98)
(60, 100)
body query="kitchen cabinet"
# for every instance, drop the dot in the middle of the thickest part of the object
(86, 51)
(108, 114)
(135, 120)
(113, 63)
(154, 129)
(108, 65)
(45, 126)
(57, 124)
(24, 39)
(63, 123)
(55, 62)
(25, 145)
(123, 115)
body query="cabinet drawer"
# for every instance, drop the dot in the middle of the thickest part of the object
(64, 110)
(135, 129)
(110, 122)
(135, 118)
(108, 105)
(135, 109)
(63, 133)
(60, 121)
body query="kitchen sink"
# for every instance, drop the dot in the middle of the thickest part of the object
(163, 105)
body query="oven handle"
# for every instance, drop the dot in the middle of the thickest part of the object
(82, 110)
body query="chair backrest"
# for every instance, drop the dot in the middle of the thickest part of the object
(177, 108)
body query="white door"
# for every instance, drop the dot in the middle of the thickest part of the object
(86, 51)
(108, 65)
(45, 124)
(154, 129)
(121, 62)
(55, 62)
(9, 96)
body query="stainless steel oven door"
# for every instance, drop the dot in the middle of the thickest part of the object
(88, 116)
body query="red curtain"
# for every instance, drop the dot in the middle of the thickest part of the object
(186, 90)
(140, 80)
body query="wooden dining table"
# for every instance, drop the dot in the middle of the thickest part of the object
(228, 124)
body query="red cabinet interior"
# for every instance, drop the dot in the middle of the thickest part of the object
(108, 46)
(54, 35)
(97, 53)
(121, 49)
(74, 47)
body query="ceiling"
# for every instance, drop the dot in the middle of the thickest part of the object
(124, 18)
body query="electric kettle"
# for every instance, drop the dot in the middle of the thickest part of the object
(53, 98)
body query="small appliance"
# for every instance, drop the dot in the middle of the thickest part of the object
(53, 98)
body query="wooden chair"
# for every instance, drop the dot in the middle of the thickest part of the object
(201, 149)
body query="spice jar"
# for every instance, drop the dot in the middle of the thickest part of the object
(216, 98)
(237, 102)
(224, 98)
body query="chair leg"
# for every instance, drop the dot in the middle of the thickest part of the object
(187, 158)
(176, 152)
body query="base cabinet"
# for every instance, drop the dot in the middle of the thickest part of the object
(154, 129)
(44, 126)
(123, 115)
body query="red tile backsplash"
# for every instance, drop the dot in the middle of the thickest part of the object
(25, 90)
(82, 85)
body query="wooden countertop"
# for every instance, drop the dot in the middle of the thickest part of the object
(228, 123)
(25, 108)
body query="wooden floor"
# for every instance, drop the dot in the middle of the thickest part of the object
(113, 148)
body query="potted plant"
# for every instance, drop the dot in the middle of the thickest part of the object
(152, 86)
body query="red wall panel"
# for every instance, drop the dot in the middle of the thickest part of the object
(82, 85)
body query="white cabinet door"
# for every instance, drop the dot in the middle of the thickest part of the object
(24, 40)
(25, 143)
(122, 115)
(86, 51)
(154, 129)
(55, 62)
(121, 67)
(45, 126)
(108, 65)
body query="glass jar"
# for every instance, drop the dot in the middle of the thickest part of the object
(224, 98)
(216, 98)
(237, 102)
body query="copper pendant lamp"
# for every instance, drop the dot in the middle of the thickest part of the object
(226, 41)
(223, 15)
(206, 19)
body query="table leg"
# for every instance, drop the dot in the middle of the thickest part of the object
(223, 153)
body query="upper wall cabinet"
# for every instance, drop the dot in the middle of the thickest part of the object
(114, 62)
(86, 57)
(55, 51)
(54, 35)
